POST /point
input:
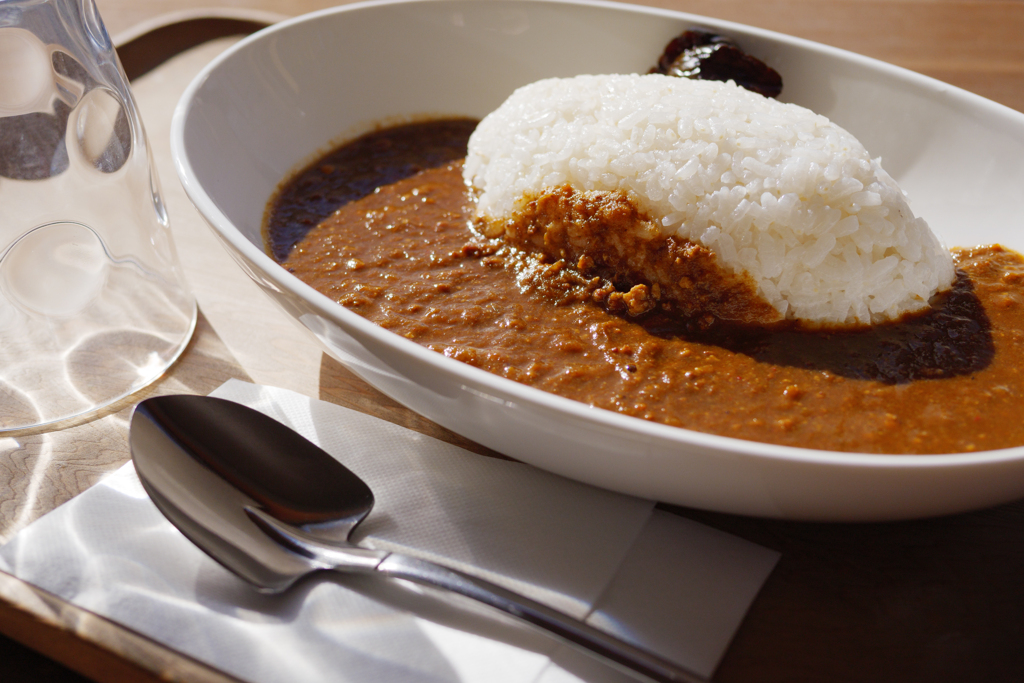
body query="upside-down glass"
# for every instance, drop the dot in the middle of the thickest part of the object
(93, 304)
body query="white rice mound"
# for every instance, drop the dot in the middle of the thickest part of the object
(773, 189)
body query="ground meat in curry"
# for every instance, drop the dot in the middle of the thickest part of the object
(641, 270)
(383, 226)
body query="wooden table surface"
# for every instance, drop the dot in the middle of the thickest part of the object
(933, 600)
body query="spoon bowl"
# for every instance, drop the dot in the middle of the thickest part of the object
(272, 507)
(191, 458)
(283, 472)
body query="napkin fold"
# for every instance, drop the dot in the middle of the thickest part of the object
(669, 584)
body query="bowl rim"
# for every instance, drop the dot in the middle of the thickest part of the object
(514, 391)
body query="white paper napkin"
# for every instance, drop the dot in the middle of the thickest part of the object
(674, 586)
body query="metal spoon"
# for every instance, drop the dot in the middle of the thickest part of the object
(272, 507)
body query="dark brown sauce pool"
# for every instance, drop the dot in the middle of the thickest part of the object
(382, 226)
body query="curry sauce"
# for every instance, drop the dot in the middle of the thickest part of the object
(384, 226)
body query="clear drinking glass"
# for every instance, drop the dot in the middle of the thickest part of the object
(93, 303)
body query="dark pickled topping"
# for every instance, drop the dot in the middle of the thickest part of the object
(708, 56)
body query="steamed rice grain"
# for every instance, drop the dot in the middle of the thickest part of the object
(774, 190)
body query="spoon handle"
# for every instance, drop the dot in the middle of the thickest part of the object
(619, 653)
(348, 559)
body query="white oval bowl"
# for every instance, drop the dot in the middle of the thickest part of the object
(285, 94)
